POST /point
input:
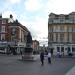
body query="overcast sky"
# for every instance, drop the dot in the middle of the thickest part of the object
(34, 13)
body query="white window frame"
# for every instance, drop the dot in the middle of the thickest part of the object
(3, 29)
(2, 36)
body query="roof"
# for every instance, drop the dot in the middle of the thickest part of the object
(16, 23)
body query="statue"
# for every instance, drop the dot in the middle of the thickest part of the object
(28, 51)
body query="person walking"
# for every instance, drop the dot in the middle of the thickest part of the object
(42, 58)
(49, 57)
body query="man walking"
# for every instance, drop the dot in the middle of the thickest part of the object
(42, 58)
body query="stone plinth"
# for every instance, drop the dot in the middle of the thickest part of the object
(28, 54)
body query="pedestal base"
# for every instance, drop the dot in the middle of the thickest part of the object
(27, 57)
(28, 54)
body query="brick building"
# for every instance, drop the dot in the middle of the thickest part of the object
(12, 35)
(35, 46)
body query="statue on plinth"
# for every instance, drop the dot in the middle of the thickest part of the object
(28, 51)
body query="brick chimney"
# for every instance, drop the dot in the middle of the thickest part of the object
(11, 16)
(0, 15)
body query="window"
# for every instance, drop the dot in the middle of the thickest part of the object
(58, 49)
(69, 28)
(73, 49)
(51, 37)
(2, 36)
(73, 37)
(51, 28)
(66, 17)
(62, 21)
(69, 49)
(56, 16)
(13, 31)
(73, 28)
(50, 21)
(61, 37)
(3, 21)
(61, 28)
(3, 29)
(0, 28)
(57, 28)
(62, 18)
(56, 37)
(13, 38)
(62, 49)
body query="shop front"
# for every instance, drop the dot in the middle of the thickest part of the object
(62, 48)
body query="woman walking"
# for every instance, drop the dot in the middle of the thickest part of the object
(49, 57)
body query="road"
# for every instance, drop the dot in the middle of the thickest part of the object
(12, 65)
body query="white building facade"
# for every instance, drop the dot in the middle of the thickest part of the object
(61, 33)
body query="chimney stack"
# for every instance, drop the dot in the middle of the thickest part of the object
(11, 16)
(0, 15)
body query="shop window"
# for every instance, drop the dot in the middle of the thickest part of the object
(73, 49)
(62, 49)
(69, 49)
(58, 49)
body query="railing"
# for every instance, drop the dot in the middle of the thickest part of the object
(55, 21)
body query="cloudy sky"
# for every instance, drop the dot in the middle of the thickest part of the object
(34, 13)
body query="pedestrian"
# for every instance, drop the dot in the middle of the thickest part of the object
(60, 55)
(42, 58)
(49, 57)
